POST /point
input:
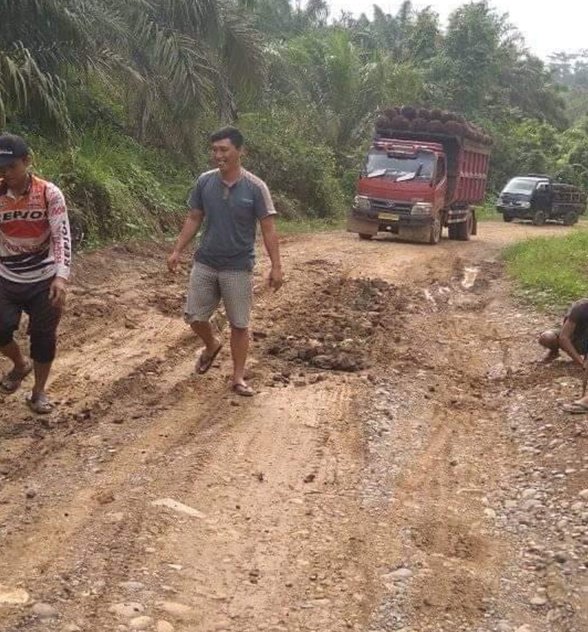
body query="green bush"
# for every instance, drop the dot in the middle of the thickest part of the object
(115, 188)
(300, 173)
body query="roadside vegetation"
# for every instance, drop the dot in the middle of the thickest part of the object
(551, 272)
(118, 98)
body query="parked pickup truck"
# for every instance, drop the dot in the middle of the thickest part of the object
(423, 171)
(541, 199)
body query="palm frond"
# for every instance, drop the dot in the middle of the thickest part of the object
(177, 61)
(242, 50)
(25, 87)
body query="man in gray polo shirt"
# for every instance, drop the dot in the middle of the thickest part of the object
(230, 201)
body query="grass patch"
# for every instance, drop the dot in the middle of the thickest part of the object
(487, 213)
(551, 271)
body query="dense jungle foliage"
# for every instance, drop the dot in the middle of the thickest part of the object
(118, 98)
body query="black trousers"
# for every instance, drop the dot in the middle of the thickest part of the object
(33, 299)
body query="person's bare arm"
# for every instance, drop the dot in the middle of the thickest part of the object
(272, 245)
(188, 232)
(565, 342)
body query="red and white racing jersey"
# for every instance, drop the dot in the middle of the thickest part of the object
(35, 242)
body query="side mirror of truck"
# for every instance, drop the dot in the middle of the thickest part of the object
(543, 186)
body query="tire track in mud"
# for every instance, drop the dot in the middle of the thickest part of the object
(139, 389)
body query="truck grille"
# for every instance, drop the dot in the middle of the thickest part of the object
(390, 205)
(513, 199)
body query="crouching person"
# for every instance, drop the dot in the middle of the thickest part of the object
(572, 337)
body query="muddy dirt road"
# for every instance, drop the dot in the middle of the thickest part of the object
(405, 465)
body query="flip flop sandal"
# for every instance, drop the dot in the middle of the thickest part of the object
(11, 381)
(41, 405)
(204, 363)
(576, 408)
(243, 390)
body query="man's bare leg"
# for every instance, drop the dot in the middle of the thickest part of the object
(239, 351)
(38, 401)
(42, 370)
(12, 352)
(211, 342)
(550, 340)
(204, 330)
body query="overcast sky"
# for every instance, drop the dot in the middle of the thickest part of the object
(546, 26)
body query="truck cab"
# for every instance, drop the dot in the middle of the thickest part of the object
(539, 199)
(526, 197)
(413, 185)
(401, 186)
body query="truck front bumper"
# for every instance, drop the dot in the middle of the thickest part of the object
(370, 222)
(516, 212)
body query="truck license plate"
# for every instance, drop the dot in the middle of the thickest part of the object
(391, 217)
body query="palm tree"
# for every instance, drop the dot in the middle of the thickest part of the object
(281, 19)
(168, 60)
(191, 56)
(38, 37)
(338, 86)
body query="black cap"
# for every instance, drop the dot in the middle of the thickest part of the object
(12, 148)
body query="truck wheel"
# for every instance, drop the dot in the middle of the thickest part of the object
(463, 230)
(435, 232)
(570, 218)
(365, 236)
(539, 218)
(507, 218)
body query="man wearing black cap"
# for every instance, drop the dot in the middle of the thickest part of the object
(35, 259)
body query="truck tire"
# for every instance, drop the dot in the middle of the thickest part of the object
(463, 230)
(570, 218)
(507, 218)
(539, 218)
(365, 236)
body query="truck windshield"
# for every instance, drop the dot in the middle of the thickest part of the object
(521, 185)
(380, 164)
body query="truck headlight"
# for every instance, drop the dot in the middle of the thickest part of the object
(362, 203)
(525, 204)
(422, 208)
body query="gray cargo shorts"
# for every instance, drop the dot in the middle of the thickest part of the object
(208, 286)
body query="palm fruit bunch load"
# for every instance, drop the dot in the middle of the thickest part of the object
(424, 120)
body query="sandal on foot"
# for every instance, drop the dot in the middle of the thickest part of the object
(12, 380)
(243, 389)
(205, 361)
(576, 408)
(40, 404)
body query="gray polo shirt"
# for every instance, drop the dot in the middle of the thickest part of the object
(230, 219)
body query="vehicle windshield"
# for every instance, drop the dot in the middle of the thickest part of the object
(381, 164)
(521, 185)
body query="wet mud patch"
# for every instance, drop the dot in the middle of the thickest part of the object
(468, 290)
(343, 325)
(453, 595)
(448, 538)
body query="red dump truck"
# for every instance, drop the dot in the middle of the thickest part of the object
(424, 170)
